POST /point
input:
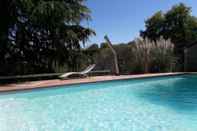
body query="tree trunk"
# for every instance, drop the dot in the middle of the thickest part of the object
(117, 72)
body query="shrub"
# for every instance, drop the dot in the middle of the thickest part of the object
(150, 56)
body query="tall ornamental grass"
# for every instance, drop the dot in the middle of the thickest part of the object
(154, 56)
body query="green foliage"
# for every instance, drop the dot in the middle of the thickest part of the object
(139, 56)
(105, 61)
(88, 55)
(191, 63)
(93, 47)
(104, 45)
(37, 35)
(176, 24)
(154, 26)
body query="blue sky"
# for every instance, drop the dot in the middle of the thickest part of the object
(122, 20)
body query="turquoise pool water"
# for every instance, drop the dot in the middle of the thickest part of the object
(154, 104)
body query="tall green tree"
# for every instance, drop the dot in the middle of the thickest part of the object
(154, 26)
(40, 34)
(176, 24)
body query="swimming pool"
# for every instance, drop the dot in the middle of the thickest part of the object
(151, 104)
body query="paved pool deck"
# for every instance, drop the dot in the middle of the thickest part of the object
(58, 82)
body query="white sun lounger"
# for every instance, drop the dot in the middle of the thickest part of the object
(82, 73)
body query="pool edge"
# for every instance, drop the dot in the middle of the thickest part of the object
(52, 83)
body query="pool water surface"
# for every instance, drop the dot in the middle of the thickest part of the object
(151, 104)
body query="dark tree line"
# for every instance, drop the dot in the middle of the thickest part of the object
(176, 24)
(37, 35)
